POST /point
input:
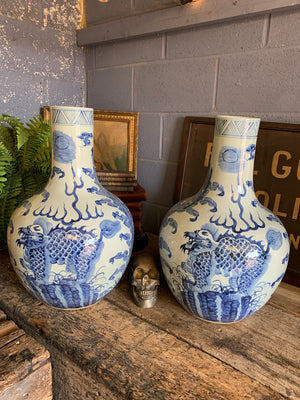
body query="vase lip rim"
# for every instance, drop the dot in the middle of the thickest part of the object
(73, 108)
(223, 116)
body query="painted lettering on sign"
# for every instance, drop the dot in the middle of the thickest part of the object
(294, 241)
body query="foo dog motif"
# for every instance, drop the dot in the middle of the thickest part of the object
(74, 248)
(230, 266)
(228, 254)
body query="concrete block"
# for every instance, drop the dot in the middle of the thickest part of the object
(24, 98)
(79, 69)
(172, 136)
(97, 12)
(110, 89)
(227, 37)
(28, 48)
(129, 51)
(158, 178)
(265, 81)
(149, 136)
(285, 29)
(89, 53)
(62, 15)
(177, 86)
(30, 10)
(289, 118)
(60, 92)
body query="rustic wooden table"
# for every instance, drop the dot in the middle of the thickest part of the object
(25, 369)
(115, 350)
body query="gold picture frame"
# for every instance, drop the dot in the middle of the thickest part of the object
(116, 144)
(45, 111)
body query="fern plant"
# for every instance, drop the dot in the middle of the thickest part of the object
(25, 162)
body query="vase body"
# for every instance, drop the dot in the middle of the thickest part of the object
(223, 254)
(70, 243)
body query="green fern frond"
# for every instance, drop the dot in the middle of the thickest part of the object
(39, 139)
(6, 210)
(6, 167)
(41, 161)
(9, 202)
(14, 187)
(5, 155)
(32, 183)
(25, 162)
(12, 132)
(13, 122)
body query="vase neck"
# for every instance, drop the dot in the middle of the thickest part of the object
(228, 190)
(72, 140)
(232, 160)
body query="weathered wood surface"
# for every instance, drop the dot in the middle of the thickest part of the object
(173, 18)
(163, 352)
(25, 369)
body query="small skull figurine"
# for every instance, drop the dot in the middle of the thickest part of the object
(144, 280)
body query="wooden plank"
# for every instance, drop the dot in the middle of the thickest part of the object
(264, 346)
(169, 19)
(20, 359)
(131, 356)
(25, 369)
(2, 315)
(10, 337)
(287, 298)
(38, 388)
(76, 383)
(128, 354)
(6, 327)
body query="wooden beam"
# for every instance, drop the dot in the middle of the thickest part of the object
(169, 19)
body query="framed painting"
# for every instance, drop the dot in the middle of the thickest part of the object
(276, 174)
(116, 144)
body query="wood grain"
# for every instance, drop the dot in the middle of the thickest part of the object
(7, 327)
(38, 388)
(2, 316)
(287, 298)
(264, 346)
(25, 369)
(169, 19)
(127, 354)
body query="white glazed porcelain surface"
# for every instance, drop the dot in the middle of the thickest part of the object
(70, 243)
(223, 254)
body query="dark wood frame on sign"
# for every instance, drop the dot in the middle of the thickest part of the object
(276, 173)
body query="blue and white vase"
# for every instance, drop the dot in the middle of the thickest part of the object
(223, 254)
(70, 243)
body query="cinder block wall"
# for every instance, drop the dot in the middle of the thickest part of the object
(40, 61)
(245, 67)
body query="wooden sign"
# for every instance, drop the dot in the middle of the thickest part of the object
(276, 174)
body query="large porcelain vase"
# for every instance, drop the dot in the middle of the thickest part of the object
(223, 254)
(71, 243)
